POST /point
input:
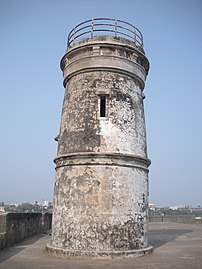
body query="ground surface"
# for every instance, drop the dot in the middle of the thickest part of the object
(176, 246)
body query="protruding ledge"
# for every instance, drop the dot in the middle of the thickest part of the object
(77, 254)
(111, 159)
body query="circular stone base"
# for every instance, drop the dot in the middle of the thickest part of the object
(77, 254)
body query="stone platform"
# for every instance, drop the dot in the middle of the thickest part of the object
(176, 246)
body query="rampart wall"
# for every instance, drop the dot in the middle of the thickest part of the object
(14, 227)
(190, 219)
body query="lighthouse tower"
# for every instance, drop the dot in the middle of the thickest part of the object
(101, 185)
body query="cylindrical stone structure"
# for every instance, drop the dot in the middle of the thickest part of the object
(101, 185)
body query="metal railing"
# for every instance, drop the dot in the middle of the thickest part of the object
(100, 26)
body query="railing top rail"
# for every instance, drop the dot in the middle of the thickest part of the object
(114, 27)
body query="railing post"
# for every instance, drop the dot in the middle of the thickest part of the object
(116, 28)
(135, 36)
(74, 35)
(92, 28)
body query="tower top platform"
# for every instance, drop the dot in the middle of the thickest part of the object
(118, 29)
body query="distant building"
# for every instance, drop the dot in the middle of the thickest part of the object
(152, 206)
(177, 207)
(2, 210)
(47, 203)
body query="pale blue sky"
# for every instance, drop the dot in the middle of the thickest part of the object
(33, 40)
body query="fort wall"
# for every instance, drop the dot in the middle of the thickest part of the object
(15, 227)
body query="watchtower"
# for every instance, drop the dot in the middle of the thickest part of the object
(101, 185)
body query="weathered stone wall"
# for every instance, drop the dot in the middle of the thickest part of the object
(2, 230)
(102, 208)
(122, 131)
(2, 222)
(17, 226)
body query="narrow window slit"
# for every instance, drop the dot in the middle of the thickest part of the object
(102, 106)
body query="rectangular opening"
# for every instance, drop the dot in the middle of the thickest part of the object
(102, 106)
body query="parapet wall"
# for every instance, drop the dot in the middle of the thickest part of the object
(14, 227)
(191, 219)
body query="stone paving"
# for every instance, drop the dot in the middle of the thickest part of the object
(176, 246)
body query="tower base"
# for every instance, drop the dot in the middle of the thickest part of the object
(77, 254)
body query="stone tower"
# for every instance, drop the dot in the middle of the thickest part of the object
(101, 186)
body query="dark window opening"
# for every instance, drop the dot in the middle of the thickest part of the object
(102, 106)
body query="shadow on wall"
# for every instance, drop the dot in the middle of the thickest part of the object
(160, 237)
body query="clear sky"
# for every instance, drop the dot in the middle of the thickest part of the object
(32, 41)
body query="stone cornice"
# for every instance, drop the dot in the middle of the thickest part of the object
(106, 159)
(106, 63)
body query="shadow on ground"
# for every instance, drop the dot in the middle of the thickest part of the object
(15, 249)
(156, 238)
(160, 237)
